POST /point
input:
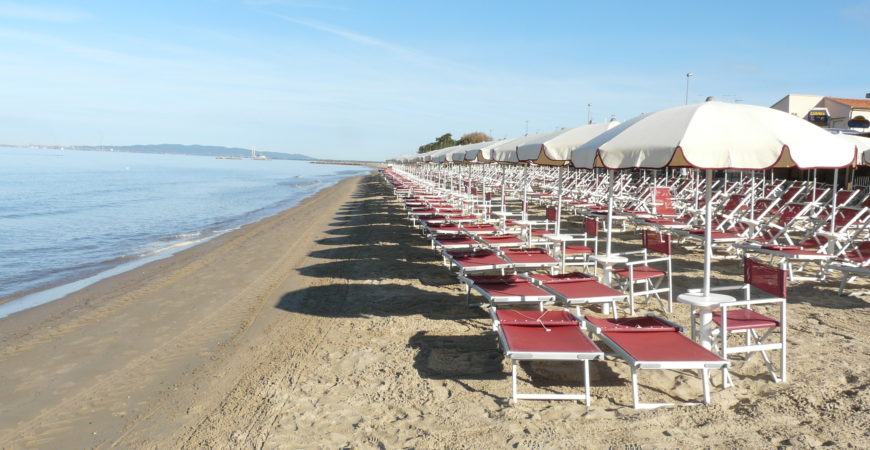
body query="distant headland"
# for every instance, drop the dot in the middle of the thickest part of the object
(178, 149)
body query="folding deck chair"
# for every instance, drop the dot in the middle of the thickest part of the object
(651, 342)
(544, 336)
(739, 317)
(641, 271)
(505, 290)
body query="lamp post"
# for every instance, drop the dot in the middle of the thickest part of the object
(589, 113)
(688, 75)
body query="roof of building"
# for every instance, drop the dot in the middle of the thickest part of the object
(853, 102)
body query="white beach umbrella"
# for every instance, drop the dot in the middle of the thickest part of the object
(863, 145)
(554, 149)
(715, 135)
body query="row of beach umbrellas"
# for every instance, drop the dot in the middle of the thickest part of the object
(708, 136)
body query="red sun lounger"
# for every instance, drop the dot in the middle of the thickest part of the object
(454, 242)
(506, 289)
(654, 343)
(544, 336)
(532, 258)
(575, 289)
(442, 228)
(501, 240)
(473, 228)
(475, 261)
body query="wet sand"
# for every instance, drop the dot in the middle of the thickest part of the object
(333, 324)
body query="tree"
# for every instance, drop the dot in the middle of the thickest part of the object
(473, 138)
(446, 140)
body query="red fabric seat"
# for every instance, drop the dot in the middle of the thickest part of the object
(745, 319)
(640, 272)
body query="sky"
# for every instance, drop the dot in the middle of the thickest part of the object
(370, 80)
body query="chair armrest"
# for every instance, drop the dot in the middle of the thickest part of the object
(759, 301)
(721, 288)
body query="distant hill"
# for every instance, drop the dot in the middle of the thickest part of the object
(201, 150)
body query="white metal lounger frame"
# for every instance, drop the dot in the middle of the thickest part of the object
(516, 357)
(502, 300)
(636, 365)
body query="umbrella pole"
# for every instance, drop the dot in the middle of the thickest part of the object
(609, 209)
(834, 209)
(708, 231)
(814, 186)
(752, 198)
(559, 201)
(525, 192)
(503, 170)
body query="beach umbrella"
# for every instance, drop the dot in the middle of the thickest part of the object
(715, 136)
(863, 145)
(554, 149)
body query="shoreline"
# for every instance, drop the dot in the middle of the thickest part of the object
(54, 291)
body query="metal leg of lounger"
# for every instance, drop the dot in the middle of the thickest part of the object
(586, 382)
(634, 394)
(514, 379)
(705, 379)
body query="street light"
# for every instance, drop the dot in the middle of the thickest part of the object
(589, 112)
(688, 75)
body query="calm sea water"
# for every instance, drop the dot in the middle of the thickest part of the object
(70, 215)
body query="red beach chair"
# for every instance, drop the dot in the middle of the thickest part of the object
(544, 336)
(654, 343)
(641, 271)
(505, 289)
(576, 289)
(739, 317)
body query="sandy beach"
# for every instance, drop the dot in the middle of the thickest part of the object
(334, 325)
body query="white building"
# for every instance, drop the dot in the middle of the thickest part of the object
(829, 112)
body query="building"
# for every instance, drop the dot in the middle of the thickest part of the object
(829, 112)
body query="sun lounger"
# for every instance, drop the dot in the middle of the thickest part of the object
(454, 242)
(475, 261)
(530, 259)
(651, 342)
(576, 289)
(544, 336)
(501, 240)
(506, 289)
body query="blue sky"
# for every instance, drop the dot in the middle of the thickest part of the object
(375, 79)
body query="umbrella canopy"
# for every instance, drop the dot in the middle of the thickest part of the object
(863, 145)
(506, 151)
(715, 135)
(554, 149)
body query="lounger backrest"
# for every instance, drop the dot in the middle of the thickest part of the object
(762, 205)
(551, 214)
(845, 216)
(665, 204)
(772, 280)
(842, 196)
(657, 242)
(789, 212)
(790, 193)
(590, 226)
(733, 202)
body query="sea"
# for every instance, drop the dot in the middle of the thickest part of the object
(71, 218)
